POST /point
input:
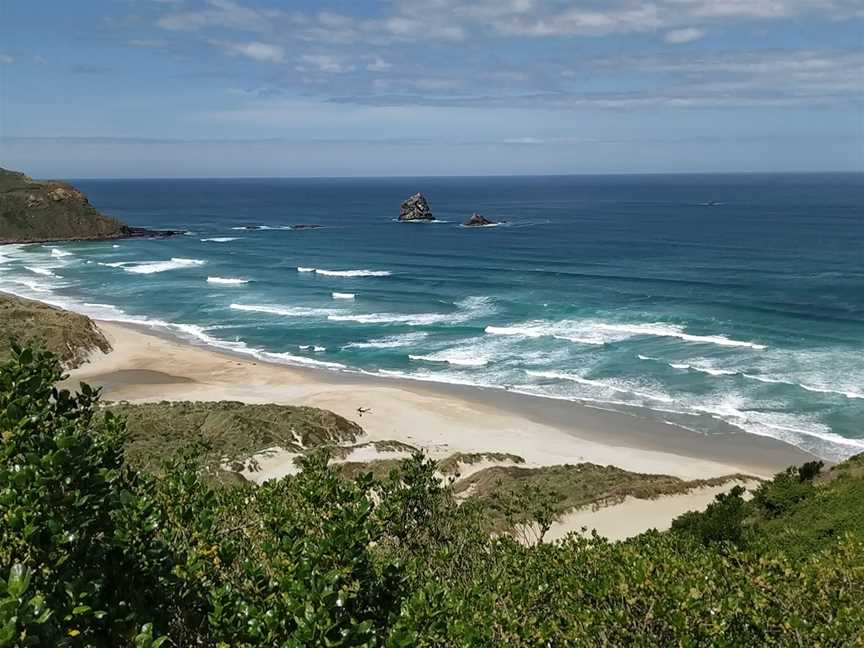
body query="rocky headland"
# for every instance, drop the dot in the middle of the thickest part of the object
(34, 211)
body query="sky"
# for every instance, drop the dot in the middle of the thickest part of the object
(230, 88)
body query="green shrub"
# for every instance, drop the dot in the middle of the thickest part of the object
(721, 521)
(93, 553)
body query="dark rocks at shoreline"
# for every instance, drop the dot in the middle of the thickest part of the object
(478, 220)
(143, 232)
(416, 208)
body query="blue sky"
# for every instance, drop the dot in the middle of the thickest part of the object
(160, 88)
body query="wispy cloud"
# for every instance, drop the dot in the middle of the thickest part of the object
(5, 59)
(255, 50)
(681, 36)
(220, 13)
(323, 63)
(378, 65)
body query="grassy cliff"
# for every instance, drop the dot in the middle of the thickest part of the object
(32, 211)
(70, 336)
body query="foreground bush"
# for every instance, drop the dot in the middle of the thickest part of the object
(93, 553)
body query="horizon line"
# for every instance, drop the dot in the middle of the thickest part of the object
(477, 175)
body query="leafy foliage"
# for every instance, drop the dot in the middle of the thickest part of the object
(94, 553)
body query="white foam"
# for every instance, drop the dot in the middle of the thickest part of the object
(601, 384)
(352, 273)
(289, 358)
(57, 252)
(302, 269)
(467, 309)
(711, 371)
(795, 429)
(262, 227)
(110, 307)
(600, 332)
(115, 246)
(319, 349)
(45, 272)
(219, 239)
(558, 331)
(463, 357)
(152, 267)
(826, 390)
(390, 342)
(338, 295)
(229, 281)
(285, 311)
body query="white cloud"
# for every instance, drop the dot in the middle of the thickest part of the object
(378, 65)
(220, 13)
(323, 63)
(680, 36)
(256, 51)
(6, 59)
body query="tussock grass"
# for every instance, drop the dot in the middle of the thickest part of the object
(70, 336)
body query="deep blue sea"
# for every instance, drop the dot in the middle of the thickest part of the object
(693, 299)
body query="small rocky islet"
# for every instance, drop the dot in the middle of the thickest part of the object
(416, 208)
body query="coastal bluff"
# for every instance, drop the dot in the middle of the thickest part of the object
(34, 211)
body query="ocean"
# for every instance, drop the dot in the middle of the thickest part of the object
(694, 299)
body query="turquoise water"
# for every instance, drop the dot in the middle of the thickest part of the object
(693, 299)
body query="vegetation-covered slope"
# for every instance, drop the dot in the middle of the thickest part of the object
(72, 337)
(96, 553)
(227, 429)
(32, 211)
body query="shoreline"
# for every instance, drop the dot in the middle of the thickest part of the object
(437, 417)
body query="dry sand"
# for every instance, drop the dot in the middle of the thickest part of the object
(441, 419)
(634, 516)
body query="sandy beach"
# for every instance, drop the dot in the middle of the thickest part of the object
(443, 419)
(440, 419)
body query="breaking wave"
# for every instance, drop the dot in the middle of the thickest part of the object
(467, 309)
(390, 342)
(461, 357)
(230, 281)
(45, 272)
(599, 332)
(152, 267)
(610, 385)
(345, 273)
(285, 311)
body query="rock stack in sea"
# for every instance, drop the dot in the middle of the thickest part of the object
(416, 209)
(478, 220)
